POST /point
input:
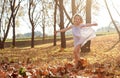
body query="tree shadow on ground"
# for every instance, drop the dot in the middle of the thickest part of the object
(113, 46)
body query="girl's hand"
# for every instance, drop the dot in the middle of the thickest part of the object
(95, 24)
(55, 32)
(82, 26)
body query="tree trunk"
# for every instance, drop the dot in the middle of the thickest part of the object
(112, 19)
(0, 36)
(55, 12)
(13, 42)
(32, 38)
(30, 14)
(43, 32)
(86, 47)
(14, 10)
(43, 23)
(1, 44)
(63, 40)
(12, 3)
(73, 7)
(5, 34)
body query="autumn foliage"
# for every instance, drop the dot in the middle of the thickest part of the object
(68, 70)
(101, 62)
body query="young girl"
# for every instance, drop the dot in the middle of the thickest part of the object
(81, 34)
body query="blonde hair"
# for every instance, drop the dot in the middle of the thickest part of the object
(81, 20)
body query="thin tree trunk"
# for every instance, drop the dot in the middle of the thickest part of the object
(43, 23)
(63, 40)
(112, 19)
(6, 33)
(86, 47)
(73, 7)
(31, 22)
(14, 10)
(2, 40)
(43, 32)
(13, 42)
(32, 38)
(12, 3)
(0, 34)
(1, 44)
(55, 12)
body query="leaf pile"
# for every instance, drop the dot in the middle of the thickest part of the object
(83, 70)
(45, 61)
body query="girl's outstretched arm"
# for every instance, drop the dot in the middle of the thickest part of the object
(89, 25)
(63, 30)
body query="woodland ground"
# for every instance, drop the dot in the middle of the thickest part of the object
(103, 49)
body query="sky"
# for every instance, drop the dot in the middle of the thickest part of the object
(103, 18)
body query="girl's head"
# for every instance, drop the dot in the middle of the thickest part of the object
(77, 19)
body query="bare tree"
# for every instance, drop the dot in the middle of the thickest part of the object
(46, 7)
(14, 10)
(5, 22)
(44, 15)
(112, 19)
(63, 40)
(33, 18)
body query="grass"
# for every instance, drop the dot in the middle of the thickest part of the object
(46, 58)
(49, 54)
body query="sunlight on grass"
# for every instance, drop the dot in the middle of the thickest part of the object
(49, 53)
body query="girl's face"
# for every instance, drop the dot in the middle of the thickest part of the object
(77, 20)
